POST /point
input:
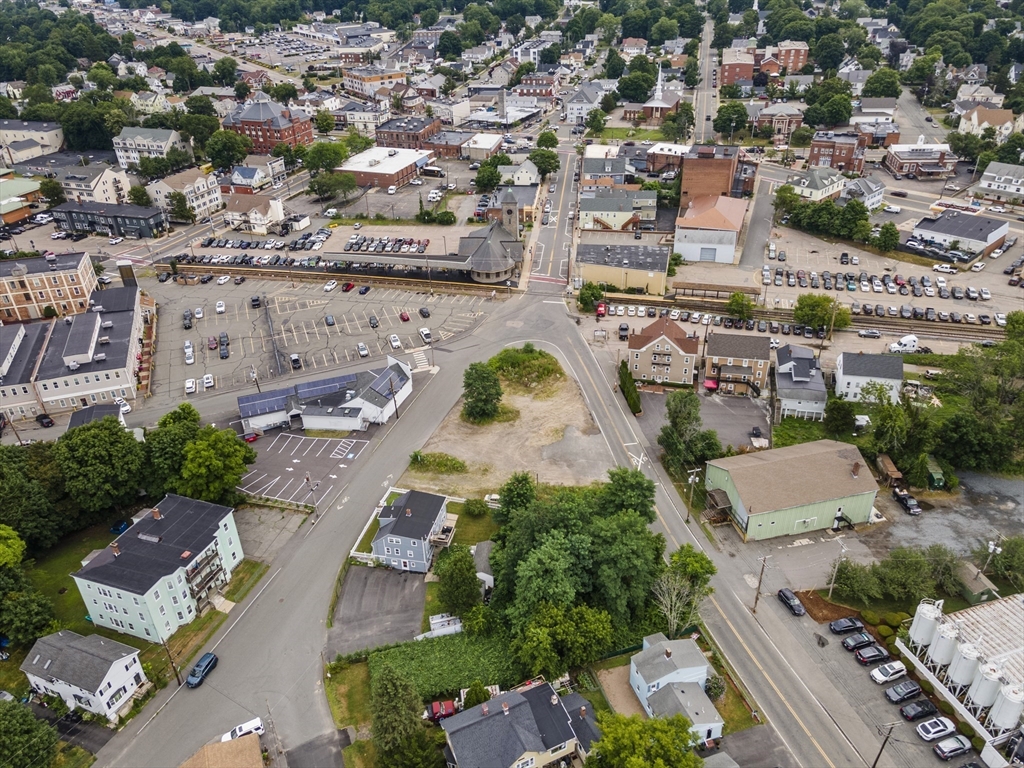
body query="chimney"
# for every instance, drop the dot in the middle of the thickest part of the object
(856, 468)
(156, 513)
(504, 707)
(408, 512)
(583, 713)
(485, 710)
(115, 549)
(668, 653)
(554, 699)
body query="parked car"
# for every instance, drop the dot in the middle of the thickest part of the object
(329, 320)
(206, 664)
(905, 500)
(870, 333)
(362, 349)
(872, 654)
(904, 691)
(792, 602)
(952, 747)
(252, 726)
(120, 527)
(122, 404)
(846, 625)
(424, 312)
(394, 341)
(860, 640)
(936, 728)
(915, 710)
(296, 361)
(886, 673)
(44, 420)
(439, 710)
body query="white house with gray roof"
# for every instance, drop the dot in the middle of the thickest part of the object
(854, 371)
(583, 102)
(164, 571)
(867, 189)
(412, 528)
(668, 677)
(92, 673)
(799, 383)
(133, 144)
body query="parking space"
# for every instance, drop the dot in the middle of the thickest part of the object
(284, 459)
(377, 607)
(732, 418)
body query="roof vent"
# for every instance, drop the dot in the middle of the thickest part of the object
(68, 321)
(408, 512)
(668, 653)
(156, 513)
(106, 324)
(504, 707)
(115, 549)
(150, 538)
(484, 709)
(99, 357)
(554, 699)
(583, 712)
(73, 366)
(186, 554)
(856, 469)
(96, 308)
(103, 340)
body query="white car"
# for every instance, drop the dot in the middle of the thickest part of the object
(425, 335)
(892, 209)
(417, 182)
(190, 357)
(865, 286)
(394, 341)
(774, 344)
(223, 279)
(116, 240)
(970, 318)
(362, 350)
(330, 286)
(620, 310)
(190, 386)
(855, 259)
(392, 189)
(208, 381)
(122, 403)
(996, 253)
(631, 311)
(695, 317)
(940, 281)
(929, 291)
(221, 308)
(997, 209)
(278, 185)
(199, 313)
(674, 314)
(1000, 319)
(451, 187)
(890, 288)
(318, 245)
(886, 673)
(985, 294)
(978, 267)
(953, 187)
(936, 728)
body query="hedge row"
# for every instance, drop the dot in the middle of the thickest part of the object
(628, 388)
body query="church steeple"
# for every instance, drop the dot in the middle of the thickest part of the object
(658, 87)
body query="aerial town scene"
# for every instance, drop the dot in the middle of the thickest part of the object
(511, 384)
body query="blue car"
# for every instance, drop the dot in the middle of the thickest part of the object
(364, 290)
(120, 527)
(202, 668)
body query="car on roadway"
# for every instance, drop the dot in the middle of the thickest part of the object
(846, 625)
(116, 240)
(792, 602)
(860, 640)
(362, 349)
(952, 747)
(330, 285)
(394, 341)
(915, 710)
(869, 333)
(252, 726)
(206, 664)
(997, 209)
(886, 673)
(223, 279)
(892, 209)
(936, 728)
(122, 404)
(903, 691)
(872, 654)
(425, 335)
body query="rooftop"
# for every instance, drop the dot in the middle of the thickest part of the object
(713, 212)
(267, 112)
(407, 124)
(19, 369)
(64, 262)
(765, 481)
(109, 209)
(736, 346)
(385, 161)
(411, 515)
(686, 699)
(649, 258)
(662, 657)
(798, 374)
(149, 134)
(93, 413)
(962, 227)
(873, 366)
(491, 249)
(663, 327)
(995, 628)
(71, 658)
(93, 342)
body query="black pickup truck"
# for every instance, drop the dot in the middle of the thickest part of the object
(905, 500)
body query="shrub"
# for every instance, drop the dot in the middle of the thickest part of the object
(884, 631)
(945, 707)
(870, 617)
(927, 686)
(714, 687)
(629, 388)
(978, 743)
(966, 730)
(892, 619)
(526, 365)
(902, 617)
(475, 507)
(439, 463)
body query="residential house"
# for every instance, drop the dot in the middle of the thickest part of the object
(245, 180)
(27, 286)
(668, 678)
(633, 46)
(131, 69)
(975, 74)
(1015, 73)
(164, 571)
(613, 168)
(407, 132)
(875, 110)
(523, 175)
(113, 219)
(22, 140)
(662, 352)
(133, 144)
(92, 672)
(855, 371)
(709, 229)
(765, 493)
(541, 86)
(273, 167)
(925, 160)
(617, 209)
(530, 725)
(974, 234)
(94, 183)
(979, 119)
(201, 190)
(64, 92)
(412, 528)
(735, 364)
(364, 118)
(316, 102)
(1002, 182)
(868, 189)
(268, 124)
(799, 383)
(583, 102)
(478, 54)
(817, 183)
(255, 79)
(856, 78)
(149, 103)
(979, 93)
(367, 80)
(258, 214)
(842, 151)
(530, 50)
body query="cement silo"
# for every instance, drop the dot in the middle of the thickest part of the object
(943, 647)
(962, 668)
(984, 688)
(924, 625)
(1006, 711)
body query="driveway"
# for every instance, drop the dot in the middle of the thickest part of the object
(615, 684)
(89, 736)
(731, 417)
(377, 607)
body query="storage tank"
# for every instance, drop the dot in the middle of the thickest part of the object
(1005, 713)
(926, 620)
(985, 686)
(964, 665)
(941, 651)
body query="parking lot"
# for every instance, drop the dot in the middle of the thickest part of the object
(292, 319)
(378, 606)
(283, 460)
(732, 418)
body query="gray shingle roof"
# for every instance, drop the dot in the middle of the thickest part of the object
(71, 658)
(804, 381)
(873, 366)
(413, 513)
(735, 346)
(492, 249)
(686, 699)
(93, 413)
(652, 664)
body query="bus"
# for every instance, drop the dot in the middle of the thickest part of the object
(432, 170)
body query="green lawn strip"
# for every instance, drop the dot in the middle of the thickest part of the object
(348, 694)
(432, 604)
(613, 662)
(637, 134)
(734, 709)
(362, 754)
(246, 576)
(472, 530)
(598, 703)
(792, 431)
(366, 543)
(391, 497)
(184, 645)
(69, 756)
(12, 679)
(882, 607)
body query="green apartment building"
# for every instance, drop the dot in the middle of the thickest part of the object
(794, 490)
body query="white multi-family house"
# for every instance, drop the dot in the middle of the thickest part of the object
(133, 144)
(95, 183)
(201, 190)
(412, 528)
(799, 383)
(855, 371)
(163, 572)
(92, 672)
(1003, 181)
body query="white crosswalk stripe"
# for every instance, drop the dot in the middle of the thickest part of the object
(420, 358)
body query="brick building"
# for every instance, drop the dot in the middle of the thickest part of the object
(842, 151)
(28, 286)
(268, 124)
(407, 132)
(541, 86)
(737, 64)
(383, 167)
(744, 62)
(782, 118)
(366, 81)
(708, 170)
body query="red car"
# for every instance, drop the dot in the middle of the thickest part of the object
(602, 310)
(439, 710)
(405, 317)
(211, 343)
(348, 287)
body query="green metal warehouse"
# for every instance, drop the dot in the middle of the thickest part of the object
(794, 490)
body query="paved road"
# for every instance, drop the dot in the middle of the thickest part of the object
(911, 117)
(705, 98)
(552, 243)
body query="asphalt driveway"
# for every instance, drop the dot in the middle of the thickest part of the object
(377, 607)
(731, 417)
(89, 736)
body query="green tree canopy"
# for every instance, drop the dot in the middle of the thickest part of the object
(732, 116)
(324, 156)
(460, 588)
(740, 305)
(180, 210)
(324, 121)
(227, 148)
(25, 615)
(215, 461)
(839, 418)
(225, 71)
(12, 548)
(635, 742)
(139, 196)
(595, 120)
(547, 140)
(481, 392)
(546, 160)
(101, 463)
(685, 442)
(27, 742)
(884, 82)
(819, 310)
(395, 709)
(487, 178)
(517, 493)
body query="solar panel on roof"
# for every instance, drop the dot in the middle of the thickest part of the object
(324, 386)
(381, 385)
(264, 402)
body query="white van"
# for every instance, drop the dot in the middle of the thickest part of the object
(331, 212)
(252, 726)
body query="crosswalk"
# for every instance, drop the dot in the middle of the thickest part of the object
(420, 359)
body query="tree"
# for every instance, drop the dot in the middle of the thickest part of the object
(684, 441)
(101, 463)
(802, 136)
(627, 490)
(324, 121)
(732, 116)
(214, 463)
(27, 742)
(884, 82)
(347, 184)
(740, 305)
(52, 190)
(449, 45)
(225, 71)
(556, 640)
(200, 128)
(200, 105)
(487, 178)
(325, 186)
(856, 581)
(7, 110)
(633, 742)
(460, 588)
(1007, 564)
(12, 548)
(679, 591)
(165, 448)
(283, 93)
(839, 418)
(138, 195)
(818, 310)
(324, 156)
(595, 120)
(830, 51)
(180, 210)
(614, 65)
(546, 160)
(227, 148)
(635, 86)
(547, 140)
(517, 493)
(888, 238)
(476, 695)
(395, 709)
(481, 392)
(664, 29)
(905, 575)
(242, 90)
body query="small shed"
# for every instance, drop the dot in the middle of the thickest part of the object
(936, 480)
(975, 586)
(887, 471)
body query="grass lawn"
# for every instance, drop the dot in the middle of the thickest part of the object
(598, 703)
(792, 431)
(391, 497)
(628, 133)
(69, 756)
(471, 530)
(360, 755)
(733, 709)
(366, 543)
(614, 661)
(432, 605)
(348, 694)
(882, 607)
(184, 644)
(246, 576)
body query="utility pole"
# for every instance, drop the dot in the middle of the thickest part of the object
(884, 742)
(256, 379)
(692, 481)
(177, 675)
(760, 578)
(312, 492)
(391, 386)
(835, 571)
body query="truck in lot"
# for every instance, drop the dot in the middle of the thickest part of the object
(905, 500)
(905, 345)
